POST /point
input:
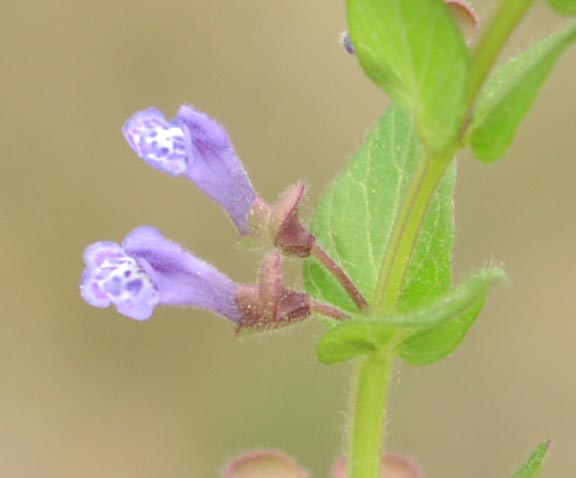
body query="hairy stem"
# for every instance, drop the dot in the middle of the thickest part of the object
(369, 406)
(428, 174)
(506, 19)
(328, 310)
(373, 371)
(431, 167)
(322, 256)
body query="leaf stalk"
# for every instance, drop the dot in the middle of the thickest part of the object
(328, 310)
(345, 281)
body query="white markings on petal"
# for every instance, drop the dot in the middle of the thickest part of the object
(120, 280)
(156, 141)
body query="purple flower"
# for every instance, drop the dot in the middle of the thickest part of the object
(148, 270)
(195, 146)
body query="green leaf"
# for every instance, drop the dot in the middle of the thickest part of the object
(533, 466)
(454, 316)
(509, 93)
(415, 52)
(355, 217)
(352, 339)
(566, 7)
(442, 320)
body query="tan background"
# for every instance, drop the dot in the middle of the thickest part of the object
(88, 393)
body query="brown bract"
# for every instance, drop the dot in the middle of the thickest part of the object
(280, 224)
(288, 233)
(269, 304)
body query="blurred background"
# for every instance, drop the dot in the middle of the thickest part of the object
(87, 392)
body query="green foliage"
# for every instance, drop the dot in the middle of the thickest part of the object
(566, 7)
(456, 313)
(394, 41)
(509, 94)
(354, 220)
(420, 337)
(415, 52)
(354, 338)
(385, 221)
(532, 468)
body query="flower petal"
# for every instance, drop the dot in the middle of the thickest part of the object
(157, 141)
(196, 146)
(180, 277)
(96, 254)
(111, 277)
(214, 166)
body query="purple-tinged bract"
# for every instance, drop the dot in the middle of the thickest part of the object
(195, 146)
(148, 270)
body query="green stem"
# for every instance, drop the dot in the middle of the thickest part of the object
(431, 167)
(507, 17)
(373, 371)
(369, 409)
(428, 174)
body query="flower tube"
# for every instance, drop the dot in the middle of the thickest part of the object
(148, 270)
(197, 147)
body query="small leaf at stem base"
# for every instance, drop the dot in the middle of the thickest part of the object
(421, 336)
